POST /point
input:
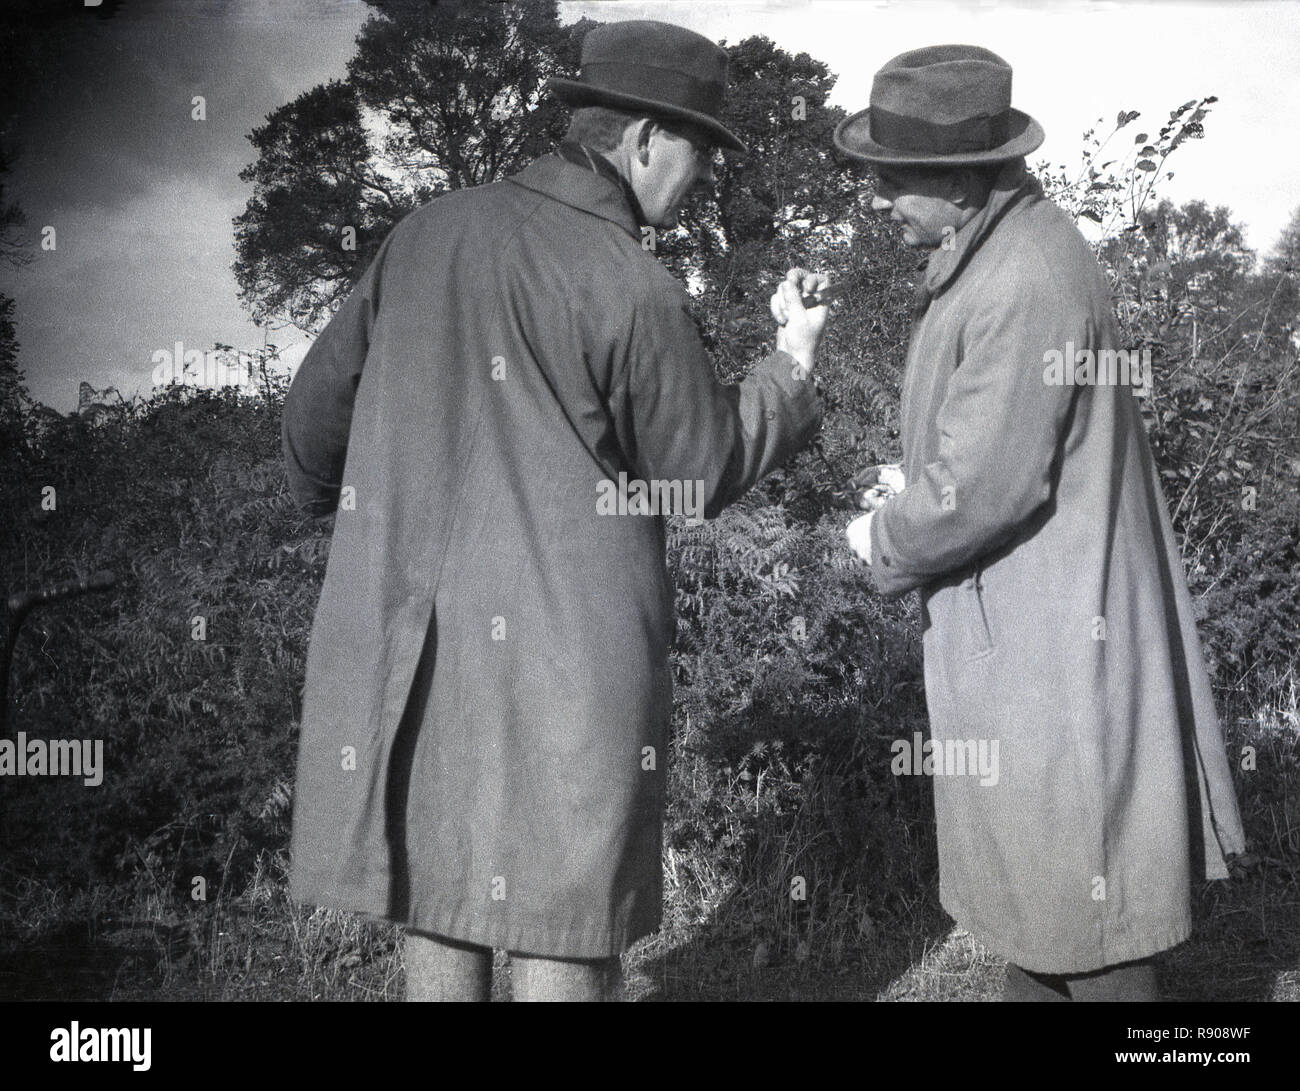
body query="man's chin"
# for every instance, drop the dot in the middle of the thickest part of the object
(672, 217)
(660, 221)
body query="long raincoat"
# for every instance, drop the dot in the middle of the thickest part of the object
(1080, 777)
(488, 689)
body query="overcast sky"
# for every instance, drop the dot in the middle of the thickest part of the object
(142, 197)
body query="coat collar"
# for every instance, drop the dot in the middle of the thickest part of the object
(579, 187)
(1014, 184)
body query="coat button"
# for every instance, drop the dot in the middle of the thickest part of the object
(771, 414)
(884, 559)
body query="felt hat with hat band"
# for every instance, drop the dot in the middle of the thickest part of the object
(663, 70)
(944, 104)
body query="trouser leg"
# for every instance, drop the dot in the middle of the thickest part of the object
(1026, 987)
(537, 979)
(1127, 981)
(443, 969)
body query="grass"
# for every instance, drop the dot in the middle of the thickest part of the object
(873, 930)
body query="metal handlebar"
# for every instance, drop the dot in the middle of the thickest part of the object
(21, 603)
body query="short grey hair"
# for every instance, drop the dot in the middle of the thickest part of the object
(600, 128)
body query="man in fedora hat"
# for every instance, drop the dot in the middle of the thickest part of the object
(1055, 613)
(488, 687)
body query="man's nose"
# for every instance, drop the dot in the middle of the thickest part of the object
(881, 204)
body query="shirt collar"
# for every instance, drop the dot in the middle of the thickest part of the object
(584, 186)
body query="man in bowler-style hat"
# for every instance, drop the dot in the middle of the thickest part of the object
(488, 686)
(1056, 617)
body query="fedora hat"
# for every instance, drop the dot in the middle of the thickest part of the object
(944, 104)
(664, 70)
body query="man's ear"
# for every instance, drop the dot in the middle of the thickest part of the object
(960, 186)
(645, 127)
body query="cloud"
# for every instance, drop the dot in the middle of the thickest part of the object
(141, 194)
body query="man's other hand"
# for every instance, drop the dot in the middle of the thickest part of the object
(799, 328)
(876, 484)
(858, 533)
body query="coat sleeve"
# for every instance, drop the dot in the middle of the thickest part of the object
(678, 423)
(318, 408)
(1000, 431)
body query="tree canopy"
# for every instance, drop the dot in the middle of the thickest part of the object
(437, 97)
(442, 97)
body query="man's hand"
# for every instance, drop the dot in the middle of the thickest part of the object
(859, 535)
(799, 329)
(876, 484)
(872, 489)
